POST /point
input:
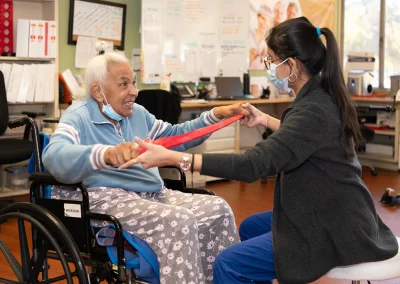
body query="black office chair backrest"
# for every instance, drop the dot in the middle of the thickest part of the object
(162, 104)
(3, 105)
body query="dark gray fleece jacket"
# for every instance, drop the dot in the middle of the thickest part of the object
(324, 215)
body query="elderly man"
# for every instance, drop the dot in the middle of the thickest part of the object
(96, 134)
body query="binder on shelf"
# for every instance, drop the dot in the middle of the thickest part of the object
(22, 46)
(40, 82)
(6, 69)
(52, 39)
(37, 39)
(24, 85)
(32, 83)
(14, 82)
(48, 95)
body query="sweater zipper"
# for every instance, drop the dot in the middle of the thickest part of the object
(119, 132)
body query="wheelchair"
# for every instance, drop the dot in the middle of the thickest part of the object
(71, 241)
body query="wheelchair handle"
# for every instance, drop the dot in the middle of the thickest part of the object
(18, 122)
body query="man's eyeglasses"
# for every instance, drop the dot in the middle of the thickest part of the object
(268, 60)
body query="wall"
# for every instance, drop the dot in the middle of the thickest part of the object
(132, 37)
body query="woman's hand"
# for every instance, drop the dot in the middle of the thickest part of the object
(155, 156)
(121, 153)
(255, 117)
(230, 110)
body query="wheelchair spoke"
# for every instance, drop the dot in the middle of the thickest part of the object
(35, 223)
(38, 267)
(46, 227)
(56, 279)
(25, 256)
(2, 280)
(15, 266)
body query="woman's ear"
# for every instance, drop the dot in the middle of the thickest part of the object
(95, 90)
(292, 63)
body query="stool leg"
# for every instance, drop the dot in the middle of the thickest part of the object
(355, 282)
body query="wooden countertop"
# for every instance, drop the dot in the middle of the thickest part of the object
(188, 104)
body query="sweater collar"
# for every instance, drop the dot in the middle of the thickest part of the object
(95, 114)
(313, 83)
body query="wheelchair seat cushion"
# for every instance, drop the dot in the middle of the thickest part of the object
(144, 262)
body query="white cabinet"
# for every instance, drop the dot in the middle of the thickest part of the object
(35, 10)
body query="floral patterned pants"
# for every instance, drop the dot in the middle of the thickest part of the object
(185, 231)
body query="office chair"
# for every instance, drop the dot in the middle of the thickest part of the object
(162, 104)
(13, 150)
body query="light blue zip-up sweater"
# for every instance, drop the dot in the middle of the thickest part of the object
(76, 149)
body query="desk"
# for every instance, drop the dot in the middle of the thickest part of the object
(209, 104)
(278, 105)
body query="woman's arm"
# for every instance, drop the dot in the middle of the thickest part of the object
(257, 117)
(284, 150)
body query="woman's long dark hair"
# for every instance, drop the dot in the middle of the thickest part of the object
(298, 38)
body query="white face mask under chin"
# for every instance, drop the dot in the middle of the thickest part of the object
(108, 110)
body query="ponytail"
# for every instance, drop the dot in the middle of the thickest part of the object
(333, 83)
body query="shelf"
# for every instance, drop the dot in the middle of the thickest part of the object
(8, 192)
(383, 99)
(389, 132)
(34, 1)
(31, 103)
(377, 157)
(25, 59)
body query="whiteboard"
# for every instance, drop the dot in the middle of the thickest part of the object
(102, 20)
(188, 39)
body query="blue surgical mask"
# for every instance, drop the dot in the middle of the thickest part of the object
(282, 84)
(108, 110)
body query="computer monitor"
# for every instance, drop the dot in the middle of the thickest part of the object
(229, 88)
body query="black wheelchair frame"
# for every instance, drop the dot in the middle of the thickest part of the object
(51, 238)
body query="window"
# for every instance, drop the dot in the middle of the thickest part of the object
(392, 40)
(362, 33)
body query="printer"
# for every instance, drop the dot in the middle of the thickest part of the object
(359, 82)
(360, 72)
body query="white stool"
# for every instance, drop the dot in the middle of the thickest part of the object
(380, 270)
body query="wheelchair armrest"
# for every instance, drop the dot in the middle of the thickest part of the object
(40, 178)
(48, 179)
(182, 176)
(33, 114)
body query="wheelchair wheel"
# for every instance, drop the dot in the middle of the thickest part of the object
(29, 263)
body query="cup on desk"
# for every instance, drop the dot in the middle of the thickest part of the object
(254, 90)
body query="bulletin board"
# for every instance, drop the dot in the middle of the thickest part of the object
(99, 19)
(211, 39)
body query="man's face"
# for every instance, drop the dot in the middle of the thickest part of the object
(278, 13)
(262, 22)
(292, 12)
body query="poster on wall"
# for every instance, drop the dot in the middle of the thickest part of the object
(265, 14)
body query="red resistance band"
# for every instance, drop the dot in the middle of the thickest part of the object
(173, 141)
